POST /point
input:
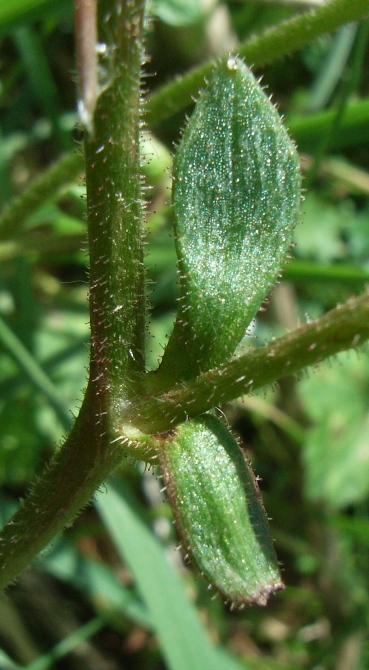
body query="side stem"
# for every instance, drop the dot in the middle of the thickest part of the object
(346, 327)
(277, 41)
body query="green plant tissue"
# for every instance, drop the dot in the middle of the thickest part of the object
(236, 197)
(218, 510)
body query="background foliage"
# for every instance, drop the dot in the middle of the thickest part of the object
(82, 605)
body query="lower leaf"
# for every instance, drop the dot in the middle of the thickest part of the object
(218, 510)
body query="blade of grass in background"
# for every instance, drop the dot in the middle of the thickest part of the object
(7, 663)
(353, 129)
(183, 641)
(329, 76)
(68, 644)
(44, 89)
(34, 372)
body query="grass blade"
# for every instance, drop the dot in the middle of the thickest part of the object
(183, 640)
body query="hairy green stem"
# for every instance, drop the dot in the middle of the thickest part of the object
(342, 328)
(117, 305)
(258, 51)
(114, 206)
(73, 475)
(85, 461)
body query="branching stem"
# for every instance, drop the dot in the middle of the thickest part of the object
(342, 328)
(117, 304)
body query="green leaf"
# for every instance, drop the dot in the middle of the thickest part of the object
(236, 197)
(218, 509)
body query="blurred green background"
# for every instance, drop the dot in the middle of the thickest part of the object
(83, 605)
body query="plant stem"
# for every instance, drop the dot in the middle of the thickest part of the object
(114, 209)
(68, 483)
(86, 55)
(117, 292)
(117, 297)
(342, 328)
(260, 50)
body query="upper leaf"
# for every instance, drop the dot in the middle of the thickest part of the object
(236, 195)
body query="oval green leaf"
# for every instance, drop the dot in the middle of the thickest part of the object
(236, 197)
(218, 510)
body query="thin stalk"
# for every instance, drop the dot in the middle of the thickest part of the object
(342, 328)
(86, 55)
